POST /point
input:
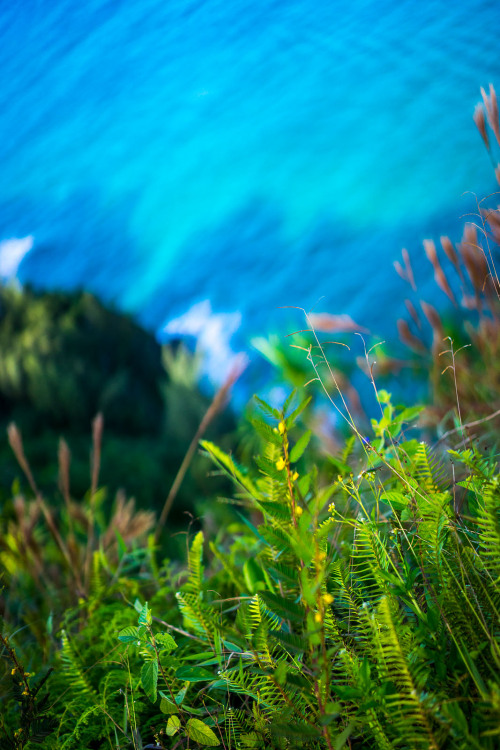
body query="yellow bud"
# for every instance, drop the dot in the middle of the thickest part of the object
(281, 428)
(327, 598)
(318, 618)
(295, 476)
(298, 511)
(13, 670)
(321, 556)
(280, 464)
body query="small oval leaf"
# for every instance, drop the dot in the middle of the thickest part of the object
(199, 732)
(128, 635)
(173, 725)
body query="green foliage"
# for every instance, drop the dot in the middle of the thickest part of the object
(356, 603)
(67, 357)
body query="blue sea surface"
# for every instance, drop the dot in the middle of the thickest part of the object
(165, 153)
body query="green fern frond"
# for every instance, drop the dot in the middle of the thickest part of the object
(488, 521)
(260, 614)
(74, 674)
(195, 581)
(230, 468)
(395, 642)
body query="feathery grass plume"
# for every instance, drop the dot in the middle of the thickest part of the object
(406, 273)
(450, 252)
(490, 102)
(95, 465)
(474, 260)
(435, 321)
(16, 443)
(439, 275)
(131, 524)
(97, 430)
(64, 462)
(414, 314)
(480, 121)
(408, 338)
(492, 217)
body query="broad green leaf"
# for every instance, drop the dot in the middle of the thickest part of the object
(128, 635)
(165, 641)
(173, 725)
(149, 679)
(199, 732)
(167, 707)
(252, 574)
(343, 737)
(384, 397)
(232, 647)
(396, 499)
(194, 674)
(411, 413)
(300, 446)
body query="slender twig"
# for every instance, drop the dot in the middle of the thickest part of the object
(475, 423)
(218, 403)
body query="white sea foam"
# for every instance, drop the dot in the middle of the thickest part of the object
(12, 252)
(213, 332)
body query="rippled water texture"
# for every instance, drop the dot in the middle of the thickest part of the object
(253, 154)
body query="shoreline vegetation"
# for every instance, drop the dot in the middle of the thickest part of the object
(275, 582)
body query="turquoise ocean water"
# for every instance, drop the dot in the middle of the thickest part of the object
(231, 157)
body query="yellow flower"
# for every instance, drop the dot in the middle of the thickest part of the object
(317, 617)
(280, 464)
(13, 670)
(295, 476)
(331, 509)
(281, 428)
(327, 598)
(321, 556)
(298, 511)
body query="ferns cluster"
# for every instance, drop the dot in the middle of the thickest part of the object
(347, 608)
